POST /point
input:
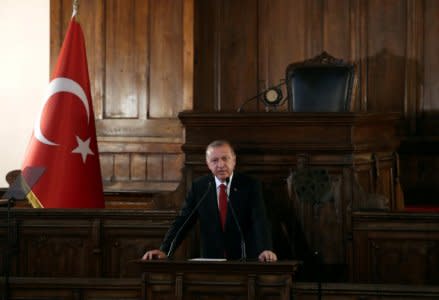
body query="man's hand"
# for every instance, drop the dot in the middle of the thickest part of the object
(268, 256)
(154, 254)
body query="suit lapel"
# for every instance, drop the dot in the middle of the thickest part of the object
(233, 196)
(212, 205)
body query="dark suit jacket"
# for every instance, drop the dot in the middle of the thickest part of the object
(247, 201)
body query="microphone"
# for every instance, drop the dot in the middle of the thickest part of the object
(172, 248)
(272, 96)
(235, 218)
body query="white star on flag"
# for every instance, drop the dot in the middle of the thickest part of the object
(83, 148)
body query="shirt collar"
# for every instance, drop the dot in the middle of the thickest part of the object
(218, 182)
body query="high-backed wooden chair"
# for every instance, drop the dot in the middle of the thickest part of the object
(321, 84)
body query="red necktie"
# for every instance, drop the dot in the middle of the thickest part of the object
(223, 204)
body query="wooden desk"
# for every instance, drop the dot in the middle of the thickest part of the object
(217, 280)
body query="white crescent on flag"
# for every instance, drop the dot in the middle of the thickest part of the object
(60, 84)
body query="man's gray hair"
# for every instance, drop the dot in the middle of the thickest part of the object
(219, 143)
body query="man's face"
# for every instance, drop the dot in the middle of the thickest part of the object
(221, 161)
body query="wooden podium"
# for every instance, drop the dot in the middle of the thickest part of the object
(217, 279)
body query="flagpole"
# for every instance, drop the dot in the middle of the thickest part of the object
(75, 6)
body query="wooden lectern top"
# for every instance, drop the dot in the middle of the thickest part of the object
(209, 266)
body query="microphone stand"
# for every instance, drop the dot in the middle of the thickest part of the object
(174, 240)
(319, 276)
(243, 248)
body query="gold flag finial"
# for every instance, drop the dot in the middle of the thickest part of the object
(75, 7)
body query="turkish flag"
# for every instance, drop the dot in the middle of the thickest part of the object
(64, 136)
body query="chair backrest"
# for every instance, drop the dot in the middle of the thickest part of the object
(321, 84)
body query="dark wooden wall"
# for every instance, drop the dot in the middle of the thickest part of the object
(149, 60)
(140, 61)
(248, 44)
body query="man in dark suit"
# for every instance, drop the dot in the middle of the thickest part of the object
(213, 200)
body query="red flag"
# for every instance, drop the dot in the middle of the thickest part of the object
(64, 136)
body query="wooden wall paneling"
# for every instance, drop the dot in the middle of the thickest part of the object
(226, 58)
(204, 46)
(430, 64)
(154, 167)
(121, 171)
(91, 16)
(395, 252)
(60, 13)
(337, 22)
(126, 59)
(238, 53)
(217, 62)
(341, 36)
(375, 182)
(386, 36)
(362, 42)
(107, 166)
(418, 152)
(188, 54)
(396, 248)
(166, 69)
(123, 242)
(414, 60)
(314, 31)
(281, 41)
(52, 248)
(141, 164)
(138, 167)
(141, 58)
(172, 166)
(419, 176)
(8, 245)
